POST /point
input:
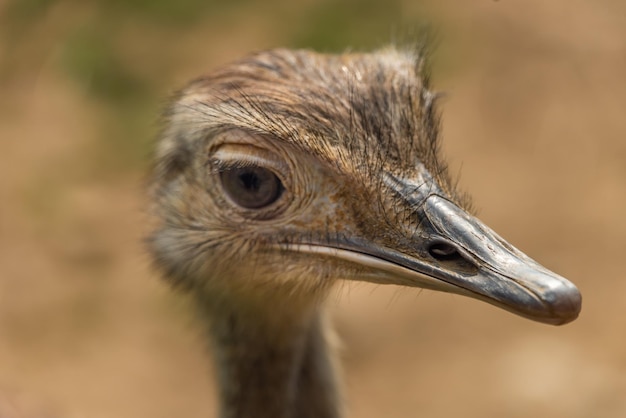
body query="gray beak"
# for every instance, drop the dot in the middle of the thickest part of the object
(481, 264)
(452, 251)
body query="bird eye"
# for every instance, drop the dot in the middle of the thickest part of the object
(251, 187)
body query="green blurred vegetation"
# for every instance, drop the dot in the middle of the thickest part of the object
(126, 56)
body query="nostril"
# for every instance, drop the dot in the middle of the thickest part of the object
(443, 252)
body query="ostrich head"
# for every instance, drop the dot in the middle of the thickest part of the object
(284, 172)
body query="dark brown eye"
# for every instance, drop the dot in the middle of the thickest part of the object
(251, 187)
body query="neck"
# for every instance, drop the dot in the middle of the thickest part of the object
(272, 364)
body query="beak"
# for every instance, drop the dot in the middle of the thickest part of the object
(495, 271)
(455, 252)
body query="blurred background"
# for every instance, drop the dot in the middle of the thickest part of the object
(533, 121)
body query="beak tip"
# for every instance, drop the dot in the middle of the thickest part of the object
(568, 306)
(563, 304)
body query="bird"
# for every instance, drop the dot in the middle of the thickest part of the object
(287, 171)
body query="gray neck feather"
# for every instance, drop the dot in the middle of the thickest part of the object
(272, 365)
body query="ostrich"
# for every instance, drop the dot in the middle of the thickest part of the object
(287, 171)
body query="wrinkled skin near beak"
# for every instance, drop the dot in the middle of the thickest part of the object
(455, 252)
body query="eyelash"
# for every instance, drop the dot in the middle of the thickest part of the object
(221, 165)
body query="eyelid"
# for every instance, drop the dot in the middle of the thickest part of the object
(245, 155)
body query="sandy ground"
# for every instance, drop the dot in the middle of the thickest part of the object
(534, 120)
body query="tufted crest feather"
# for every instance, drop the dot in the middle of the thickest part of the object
(360, 113)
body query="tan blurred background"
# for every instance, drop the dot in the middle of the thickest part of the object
(533, 119)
